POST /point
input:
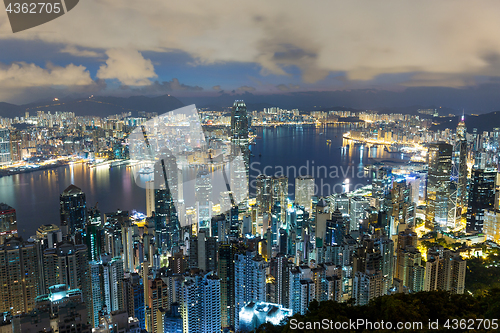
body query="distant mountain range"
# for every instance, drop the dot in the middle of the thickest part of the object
(483, 122)
(104, 106)
(96, 106)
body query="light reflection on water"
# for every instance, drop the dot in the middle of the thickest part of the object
(35, 196)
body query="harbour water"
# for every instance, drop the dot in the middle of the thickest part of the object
(288, 150)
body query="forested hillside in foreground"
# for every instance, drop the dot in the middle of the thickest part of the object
(421, 307)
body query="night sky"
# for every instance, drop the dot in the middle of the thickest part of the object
(444, 53)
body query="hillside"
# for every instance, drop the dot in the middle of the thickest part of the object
(96, 106)
(483, 122)
(418, 307)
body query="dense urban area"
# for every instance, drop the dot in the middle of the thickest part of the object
(424, 228)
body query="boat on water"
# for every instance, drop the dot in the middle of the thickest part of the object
(328, 141)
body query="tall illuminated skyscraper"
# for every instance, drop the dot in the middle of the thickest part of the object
(5, 146)
(279, 190)
(250, 281)
(166, 194)
(263, 195)
(402, 208)
(438, 185)
(304, 191)
(134, 297)
(150, 197)
(444, 270)
(461, 165)
(73, 209)
(68, 264)
(481, 197)
(203, 190)
(225, 271)
(8, 222)
(200, 304)
(19, 276)
(239, 128)
(107, 286)
(240, 143)
(15, 145)
(94, 234)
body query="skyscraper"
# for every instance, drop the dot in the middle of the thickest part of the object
(15, 145)
(5, 146)
(279, 190)
(280, 271)
(239, 129)
(225, 271)
(402, 207)
(481, 197)
(73, 209)
(107, 286)
(444, 270)
(67, 264)
(263, 195)
(250, 281)
(134, 297)
(200, 304)
(8, 222)
(304, 191)
(94, 234)
(461, 165)
(240, 150)
(335, 229)
(156, 297)
(19, 276)
(438, 185)
(150, 197)
(358, 205)
(203, 189)
(166, 180)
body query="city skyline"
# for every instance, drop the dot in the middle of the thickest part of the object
(402, 226)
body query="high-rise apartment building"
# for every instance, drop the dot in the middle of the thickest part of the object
(226, 273)
(150, 197)
(107, 286)
(73, 209)
(68, 264)
(133, 296)
(481, 197)
(200, 306)
(203, 193)
(250, 281)
(444, 270)
(5, 146)
(402, 207)
(239, 130)
(461, 165)
(8, 222)
(19, 276)
(166, 184)
(304, 191)
(438, 185)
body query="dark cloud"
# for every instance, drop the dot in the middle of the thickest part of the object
(284, 87)
(246, 89)
(164, 87)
